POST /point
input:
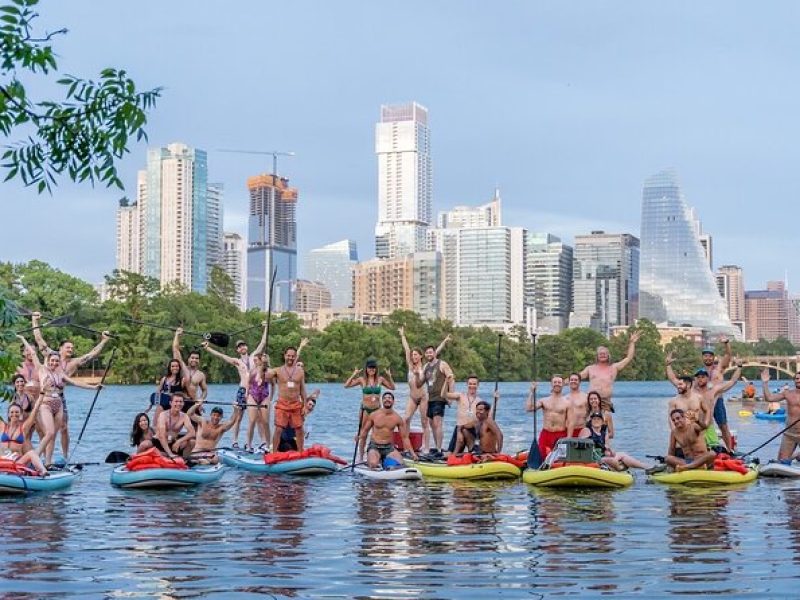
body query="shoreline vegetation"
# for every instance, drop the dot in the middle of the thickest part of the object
(331, 355)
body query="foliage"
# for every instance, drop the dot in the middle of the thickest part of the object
(82, 136)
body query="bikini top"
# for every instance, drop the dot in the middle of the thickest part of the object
(5, 439)
(172, 388)
(371, 390)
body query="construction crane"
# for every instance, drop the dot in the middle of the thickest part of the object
(274, 153)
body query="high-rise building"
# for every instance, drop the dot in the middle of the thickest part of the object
(381, 286)
(491, 277)
(215, 223)
(233, 257)
(730, 283)
(487, 215)
(605, 280)
(771, 314)
(402, 143)
(173, 207)
(271, 242)
(333, 265)
(548, 282)
(128, 236)
(310, 296)
(676, 285)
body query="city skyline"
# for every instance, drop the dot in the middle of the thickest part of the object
(567, 139)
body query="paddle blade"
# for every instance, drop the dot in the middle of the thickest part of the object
(117, 457)
(65, 320)
(534, 457)
(218, 338)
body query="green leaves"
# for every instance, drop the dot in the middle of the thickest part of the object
(82, 136)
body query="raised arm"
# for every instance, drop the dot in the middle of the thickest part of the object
(406, 347)
(176, 348)
(726, 359)
(218, 354)
(530, 403)
(303, 343)
(354, 379)
(769, 396)
(192, 412)
(37, 332)
(724, 386)
(673, 379)
(262, 343)
(75, 363)
(80, 384)
(631, 351)
(441, 346)
(37, 363)
(388, 382)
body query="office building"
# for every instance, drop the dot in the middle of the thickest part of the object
(676, 284)
(233, 263)
(128, 246)
(310, 296)
(605, 280)
(770, 314)
(271, 242)
(402, 143)
(461, 217)
(548, 283)
(333, 265)
(215, 234)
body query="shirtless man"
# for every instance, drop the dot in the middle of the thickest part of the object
(688, 434)
(490, 438)
(196, 385)
(434, 376)
(209, 432)
(291, 382)
(69, 366)
(716, 370)
(383, 423)
(578, 406)
(554, 409)
(603, 373)
(169, 427)
(465, 416)
(791, 437)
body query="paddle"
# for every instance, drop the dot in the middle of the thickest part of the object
(358, 436)
(218, 338)
(269, 308)
(534, 457)
(91, 407)
(781, 432)
(496, 375)
(57, 322)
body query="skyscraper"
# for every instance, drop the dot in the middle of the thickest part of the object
(215, 224)
(676, 285)
(333, 265)
(128, 236)
(402, 143)
(173, 216)
(271, 241)
(771, 314)
(486, 215)
(730, 282)
(605, 276)
(233, 257)
(548, 282)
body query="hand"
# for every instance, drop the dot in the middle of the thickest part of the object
(204, 345)
(99, 386)
(36, 315)
(388, 372)
(105, 334)
(496, 395)
(738, 363)
(533, 386)
(724, 340)
(263, 323)
(355, 372)
(179, 331)
(765, 375)
(303, 342)
(22, 338)
(448, 338)
(669, 359)
(635, 337)
(401, 330)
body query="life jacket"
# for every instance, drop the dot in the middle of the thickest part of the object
(316, 451)
(11, 467)
(153, 459)
(723, 462)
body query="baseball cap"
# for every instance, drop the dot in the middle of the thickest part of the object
(708, 350)
(240, 343)
(371, 362)
(701, 372)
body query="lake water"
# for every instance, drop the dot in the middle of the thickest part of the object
(251, 536)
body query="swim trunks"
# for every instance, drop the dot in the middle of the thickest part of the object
(436, 408)
(383, 449)
(548, 441)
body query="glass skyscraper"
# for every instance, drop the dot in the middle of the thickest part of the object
(676, 285)
(332, 265)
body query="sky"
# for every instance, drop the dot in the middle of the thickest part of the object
(565, 106)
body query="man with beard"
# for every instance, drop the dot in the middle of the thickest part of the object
(209, 433)
(196, 385)
(554, 412)
(383, 423)
(434, 375)
(291, 381)
(603, 373)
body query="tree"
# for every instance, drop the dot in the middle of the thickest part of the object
(686, 356)
(82, 136)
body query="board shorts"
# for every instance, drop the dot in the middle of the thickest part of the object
(436, 408)
(576, 432)
(548, 441)
(241, 397)
(720, 414)
(289, 413)
(383, 449)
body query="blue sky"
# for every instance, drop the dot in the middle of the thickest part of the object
(567, 106)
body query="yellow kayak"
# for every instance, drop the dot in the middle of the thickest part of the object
(706, 478)
(477, 471)
(577, 476)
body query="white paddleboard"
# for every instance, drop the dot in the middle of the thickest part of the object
(776, 469)
(401, 474)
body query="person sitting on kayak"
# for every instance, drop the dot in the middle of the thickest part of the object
(554, 410)
(383, 423)
(791, 437)
(464, 434)
(690, 436)
(169, 427)
(141, 433)
(15, 437)
(209, 432)
(597, 431)
(489, 438)
(287, 437)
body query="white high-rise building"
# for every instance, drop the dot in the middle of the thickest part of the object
(233, 257)
(333, 265)
(402, 143)
(128, 249)
(487, 215)
(548, 282)
(215, 195)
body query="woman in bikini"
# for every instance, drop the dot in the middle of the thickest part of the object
(170, 383)
(15, 437)
(370, 383)
(21, 396)
(594, 402)
(418, 395)
(51, 415)
(259, 399)
(142, 433)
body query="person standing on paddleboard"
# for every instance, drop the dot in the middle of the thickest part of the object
(578, 406)
(791, 437)
(603, 373)
(291, 382)
(716, 370)
(196, 385)
(554, 413)
(434, 377)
